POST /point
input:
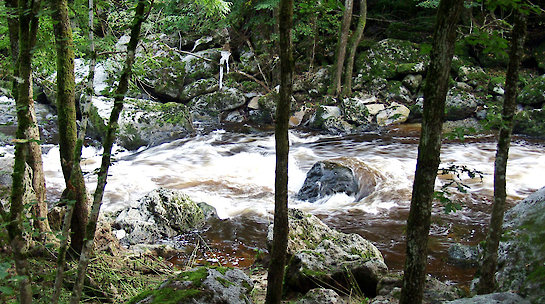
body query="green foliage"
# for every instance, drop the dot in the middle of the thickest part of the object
(454, 181)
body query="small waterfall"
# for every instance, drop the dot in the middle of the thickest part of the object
(224, 60)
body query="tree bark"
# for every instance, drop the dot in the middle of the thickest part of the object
(106, 156)
(340, 55)
(418, 223)
(26, 37)
(34, 153)
(352, 48)
(66, 115)
(487, 282)
(280, 232)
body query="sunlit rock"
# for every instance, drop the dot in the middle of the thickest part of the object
(160, 215)
(395, 113)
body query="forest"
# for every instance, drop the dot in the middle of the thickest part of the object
(272, 151)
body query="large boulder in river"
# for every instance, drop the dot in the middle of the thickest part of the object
(161, 214)
(321, 255)
(142, 122)
(213, 104)
(201, 285)
(342, 175)
(460, 104)
(521, 256)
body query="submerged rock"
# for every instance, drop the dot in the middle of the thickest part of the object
(159, 215)
(202, 286)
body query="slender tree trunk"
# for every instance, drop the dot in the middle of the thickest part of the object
(66, 115)
(85, 104)
(34, 153)
(418, 223)
(280, 232)
(106, 156)
(487, 282)
(335, 88)
(26, 37)
(352, 48)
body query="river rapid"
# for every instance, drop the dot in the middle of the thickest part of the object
(234, 172)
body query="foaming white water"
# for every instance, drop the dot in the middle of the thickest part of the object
(235, 172)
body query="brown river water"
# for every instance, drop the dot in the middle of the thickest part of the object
(234, 172)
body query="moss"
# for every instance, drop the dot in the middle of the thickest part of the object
(172, 296)
(313, 273)
(196, 277)
(140, 297)
(224, 282)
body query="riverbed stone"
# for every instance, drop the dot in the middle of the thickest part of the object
(521, 255)
(213, 104)
(160, 215)
(355, 110)
(463, 255)
(203, 285)
(326, 178)
(530, 122)
(460, 104)
(393, 114)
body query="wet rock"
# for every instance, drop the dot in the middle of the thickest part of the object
(355, 110)
(463, 255)
(321, 254)
(142, 122)
(263, 108)
(530, 122)
(326, 178)
(533, 93)
(202, 286)
(321, 296)
(521, 256)
(393, 114)
(159, 215)
(460, 104)
(493, 298)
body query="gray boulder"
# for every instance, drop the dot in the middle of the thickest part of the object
(530, 122)
(142, 122)
(355, 110)
(213, 104)
(493, 298)
(321, 296)
(521, 256)
(202, 286)
(460, 104)
(161, 214)
(463, 255)
(321, 254)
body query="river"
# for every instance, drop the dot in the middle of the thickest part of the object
(234, 172)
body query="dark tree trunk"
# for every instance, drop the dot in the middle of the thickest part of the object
(418, 223)
(66, 115)
(340, 54)
(280, 232)
(352, 48)
(108, 144)
(487, 282)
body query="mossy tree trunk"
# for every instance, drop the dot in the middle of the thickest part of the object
(487, 282)
(418, 223)
(280, 232)
(352, 48)
(108, 144)
(34, 153)
(26, 138)
(66, 116)
(340, 54)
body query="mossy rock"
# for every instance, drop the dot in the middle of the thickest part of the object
(203, 285)
(533, 93)
(530, 122)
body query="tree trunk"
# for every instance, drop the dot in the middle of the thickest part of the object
(106, 156)
(280, 232)
(26, 37)
(418, 223)
(340, 55)
(487, 282)
(352, 48)
(66, 115)
(34, 153)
